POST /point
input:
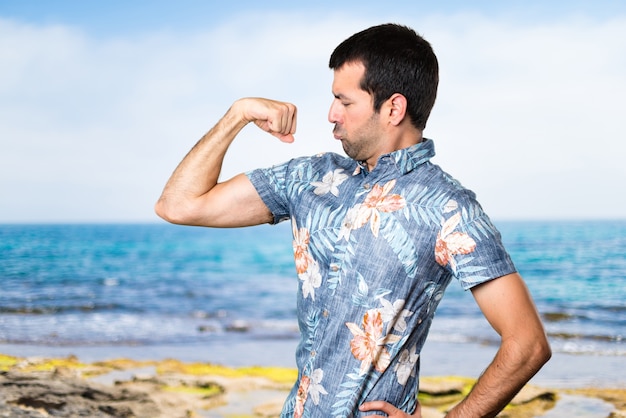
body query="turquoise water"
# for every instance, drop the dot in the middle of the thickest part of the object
(158, 283)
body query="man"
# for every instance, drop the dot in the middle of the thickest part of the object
(377, 236)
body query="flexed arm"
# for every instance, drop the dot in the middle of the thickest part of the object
(193, 196)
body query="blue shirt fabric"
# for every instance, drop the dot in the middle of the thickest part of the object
(374, 252)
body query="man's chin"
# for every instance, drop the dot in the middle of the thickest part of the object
(349, 151)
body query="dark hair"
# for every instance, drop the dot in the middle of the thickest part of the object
(396, 60)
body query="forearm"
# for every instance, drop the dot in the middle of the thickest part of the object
(513, 366)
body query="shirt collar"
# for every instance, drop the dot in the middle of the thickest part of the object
(406, 159)
(410, 158)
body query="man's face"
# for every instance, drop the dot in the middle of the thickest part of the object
(357, 126)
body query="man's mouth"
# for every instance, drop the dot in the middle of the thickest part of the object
(337, 133)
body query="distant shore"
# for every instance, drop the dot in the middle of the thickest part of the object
(437, 359)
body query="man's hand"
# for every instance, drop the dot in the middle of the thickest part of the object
(389, 409)
(274, 117)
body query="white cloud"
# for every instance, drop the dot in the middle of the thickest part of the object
(529, 116)
(90, 129)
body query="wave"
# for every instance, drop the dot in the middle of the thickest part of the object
(590, 337)
(588, 311)
(60, 309)
(569, 343)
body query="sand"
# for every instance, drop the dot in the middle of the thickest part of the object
(34, 387)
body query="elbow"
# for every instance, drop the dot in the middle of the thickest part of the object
(163, 211)
(175, 213)
(529, 354)
(541, 352)
(544, 351)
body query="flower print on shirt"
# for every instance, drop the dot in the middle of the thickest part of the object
(330, 183)
(311, 279)
(377, 200)
(301, 396)
(307, 268)
(301, 248)
(315, 386)
(309, 385)
(349, 222)
(451, 206)
(451, 243)
(405, 367)
(368, 344)
(394, 313)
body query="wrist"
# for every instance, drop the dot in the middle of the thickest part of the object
(237, 113)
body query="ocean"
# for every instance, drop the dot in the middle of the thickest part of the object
(145, 285)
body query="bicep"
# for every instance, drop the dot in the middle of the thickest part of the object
(233, 203)
(508, 306)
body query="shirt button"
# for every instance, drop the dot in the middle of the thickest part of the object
(367, 186)
(334, 267)
(325, 313)
(313, 353)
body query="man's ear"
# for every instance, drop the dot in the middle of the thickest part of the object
(397, 108)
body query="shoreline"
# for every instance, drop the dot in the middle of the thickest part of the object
(34, 387)
(563, 371)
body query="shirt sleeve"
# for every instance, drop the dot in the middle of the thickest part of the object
(270, 183)
(472, 246)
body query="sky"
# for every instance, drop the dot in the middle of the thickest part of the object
(99, 101)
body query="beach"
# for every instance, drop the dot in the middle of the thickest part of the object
(570, 385)
(438, 359)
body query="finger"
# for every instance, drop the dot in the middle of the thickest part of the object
(285, 126)
(285, 135)
(294, 119)
(276, 118)
(287, 119)
(382, 406)
(285, 138)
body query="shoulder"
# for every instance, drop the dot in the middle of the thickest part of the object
(301, 170)
(431, 187)
(457, 206)
(323, 161)
(441, 179)
(307, 167)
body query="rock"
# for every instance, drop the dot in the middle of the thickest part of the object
(530, 393)
(7, 411)
(35, 395)
(441, 387)
(238, 326)
(269, 409)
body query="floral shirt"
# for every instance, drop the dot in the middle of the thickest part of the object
(374, 252)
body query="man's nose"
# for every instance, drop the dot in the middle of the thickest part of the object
(332, 113)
